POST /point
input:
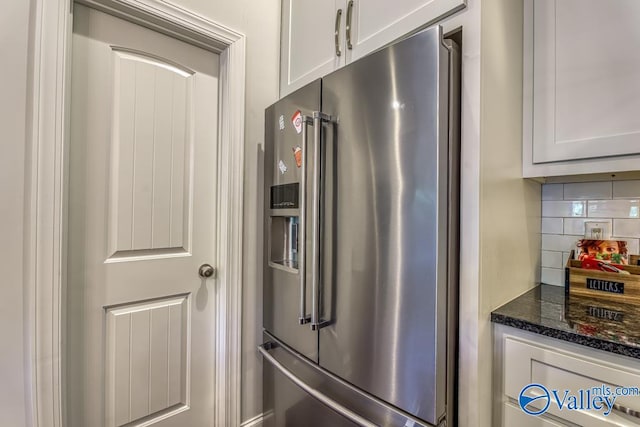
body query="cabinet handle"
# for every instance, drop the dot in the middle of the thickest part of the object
(625, 410)
(348, 25)
(337, 32)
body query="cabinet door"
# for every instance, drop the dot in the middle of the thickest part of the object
(375, 23)
(514, 416)
(567, 372)
(586, 85)
(308, 47)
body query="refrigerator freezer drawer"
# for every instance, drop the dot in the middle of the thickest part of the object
(296, 389)
(313, 392)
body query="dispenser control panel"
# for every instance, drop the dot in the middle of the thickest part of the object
(285, 196)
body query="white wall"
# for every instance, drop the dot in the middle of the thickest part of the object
(509, 205)
(469, 404)
(13, 83)
(499, 211)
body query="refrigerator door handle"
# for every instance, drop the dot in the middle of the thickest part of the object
(302, 231)
(345, 412)
(316, 322)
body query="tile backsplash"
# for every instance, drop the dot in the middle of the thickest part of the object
(565, 209)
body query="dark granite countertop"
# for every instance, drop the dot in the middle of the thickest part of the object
(592, 322)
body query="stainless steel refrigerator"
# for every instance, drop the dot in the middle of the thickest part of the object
(361, 242)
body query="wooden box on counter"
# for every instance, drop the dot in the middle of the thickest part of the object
(600, 284)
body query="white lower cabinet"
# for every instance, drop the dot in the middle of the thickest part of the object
(570, 374)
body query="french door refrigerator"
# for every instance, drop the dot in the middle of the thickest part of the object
(361, 242)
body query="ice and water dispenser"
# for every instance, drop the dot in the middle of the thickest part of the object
(285, 225)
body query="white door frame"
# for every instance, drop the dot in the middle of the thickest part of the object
(46, 184)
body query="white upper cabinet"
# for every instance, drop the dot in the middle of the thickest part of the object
(376, 23)
(321, 36)
(584, 94)
(308, 47)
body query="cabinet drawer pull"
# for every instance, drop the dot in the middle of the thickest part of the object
(348, 25)
(625, 410)
(337, 32)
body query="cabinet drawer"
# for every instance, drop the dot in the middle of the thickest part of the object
(527, 362)
(513, 416)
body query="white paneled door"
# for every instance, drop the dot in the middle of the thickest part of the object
(142, 215)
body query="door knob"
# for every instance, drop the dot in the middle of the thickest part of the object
(206, 271)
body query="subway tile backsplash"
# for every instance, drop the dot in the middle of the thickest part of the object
(558, 242)
(552, 192)
(552, 225)
(552, 259)
(573, 226)
(552, 276)
(626, 189)
(565, 209)
(552, 208)
(613, 209)
(587, 191)
(626, 227)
